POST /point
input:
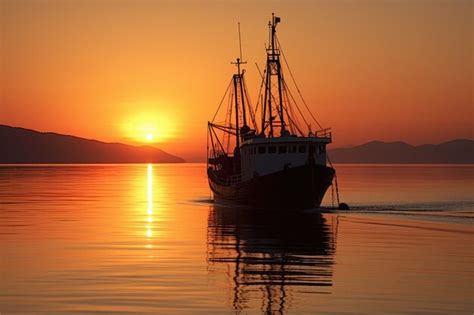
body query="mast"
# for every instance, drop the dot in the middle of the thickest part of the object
(237, 128)
(273, 69)
(244, 116)
(276, 57)
(238, 87)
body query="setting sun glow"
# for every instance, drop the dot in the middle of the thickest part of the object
(149, 127)
(149, 137)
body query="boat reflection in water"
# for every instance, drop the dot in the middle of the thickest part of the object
(270, 258)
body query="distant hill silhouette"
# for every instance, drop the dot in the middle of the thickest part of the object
(19, 145)
(459, 151)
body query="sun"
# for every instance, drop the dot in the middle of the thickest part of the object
(149, 127)
(149, 137)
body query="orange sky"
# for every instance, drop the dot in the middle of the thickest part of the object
(113, 70)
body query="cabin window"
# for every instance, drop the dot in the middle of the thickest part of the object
(322, 149)
(282, 149)
(262, 149)
(302, 149)
(312, 149)
(272, 149)
(293, 149)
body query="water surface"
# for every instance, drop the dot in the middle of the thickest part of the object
(145, 238)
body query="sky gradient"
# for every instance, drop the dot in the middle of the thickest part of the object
(118, 70)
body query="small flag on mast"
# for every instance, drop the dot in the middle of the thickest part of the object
(277, 19)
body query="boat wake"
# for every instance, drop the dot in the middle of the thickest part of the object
(461, 205)
(448, 212)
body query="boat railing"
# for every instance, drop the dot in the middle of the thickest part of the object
(322, 133)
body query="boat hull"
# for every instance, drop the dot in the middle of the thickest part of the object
(301, 187)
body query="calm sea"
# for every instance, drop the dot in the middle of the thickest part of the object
(146, 238)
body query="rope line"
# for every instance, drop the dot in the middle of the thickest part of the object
(296, 85)
(220, 104)
(335, 179)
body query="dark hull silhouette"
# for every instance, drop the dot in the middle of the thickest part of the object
(301, 187)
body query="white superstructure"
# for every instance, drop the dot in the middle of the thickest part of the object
(263, 156)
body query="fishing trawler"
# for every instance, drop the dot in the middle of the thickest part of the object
(279, 162)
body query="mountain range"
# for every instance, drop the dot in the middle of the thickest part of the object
(460, 151)
(19, 145)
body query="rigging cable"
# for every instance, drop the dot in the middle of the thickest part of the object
(261, 87)
(230, 108)
(286, 101)
(294, 82)
(252, 113)
(220, 104)
(335, 178)
(286, 91)
(297, 107)
(291, 120)
(290, 106)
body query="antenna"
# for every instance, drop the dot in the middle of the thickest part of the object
(240, 41)
(239, 60)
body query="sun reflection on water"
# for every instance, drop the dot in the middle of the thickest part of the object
(149, 227)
